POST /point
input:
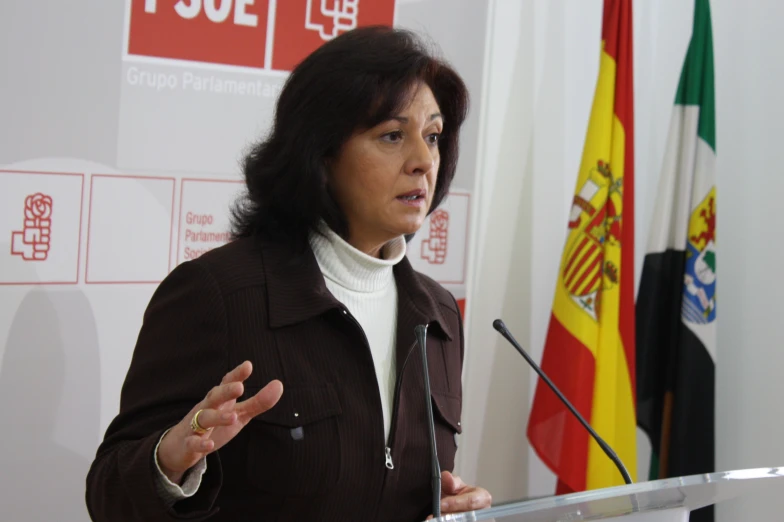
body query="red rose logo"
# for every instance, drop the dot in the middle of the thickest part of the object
(33, 242)
(434, 246)
(38, 206)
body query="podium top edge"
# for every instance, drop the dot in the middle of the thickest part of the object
(692, 491)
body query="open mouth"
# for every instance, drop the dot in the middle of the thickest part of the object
(415, 197)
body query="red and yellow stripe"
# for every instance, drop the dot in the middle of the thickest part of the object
(589, 351)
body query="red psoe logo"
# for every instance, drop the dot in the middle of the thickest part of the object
(302, 26)
(33, 241)
(434, 247)
(228, 32)
(234, 32)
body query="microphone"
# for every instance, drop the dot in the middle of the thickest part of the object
(499, 325)
(435, 479)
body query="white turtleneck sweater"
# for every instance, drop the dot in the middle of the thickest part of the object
(366, 287)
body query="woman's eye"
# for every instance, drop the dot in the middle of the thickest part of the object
(392, 137)
(433, 138)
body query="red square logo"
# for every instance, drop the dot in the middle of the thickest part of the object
(301, 26)
(230, 32)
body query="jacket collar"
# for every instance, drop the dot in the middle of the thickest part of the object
(416, 304)
(296, 291)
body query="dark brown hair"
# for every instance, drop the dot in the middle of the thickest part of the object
(351, 83)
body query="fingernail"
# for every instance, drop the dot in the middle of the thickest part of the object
(227, 415)
(444, 505)
(205, 444)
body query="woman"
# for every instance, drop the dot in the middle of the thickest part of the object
(275, 378)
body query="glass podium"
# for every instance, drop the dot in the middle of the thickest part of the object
(667, 500)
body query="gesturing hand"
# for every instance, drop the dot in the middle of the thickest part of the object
(182, 448)
(457, 497)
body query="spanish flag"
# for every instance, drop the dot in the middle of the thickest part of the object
(589, 352)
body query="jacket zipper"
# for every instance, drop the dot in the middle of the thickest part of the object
(390, 443)
(388, 461)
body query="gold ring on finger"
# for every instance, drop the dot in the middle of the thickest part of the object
(196, 427)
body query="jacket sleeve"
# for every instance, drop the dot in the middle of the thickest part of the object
(191, 480)
(179, 356)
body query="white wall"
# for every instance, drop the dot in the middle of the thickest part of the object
(540, 78)
(749, 71)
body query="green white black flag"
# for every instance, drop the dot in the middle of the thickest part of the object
(676, 304)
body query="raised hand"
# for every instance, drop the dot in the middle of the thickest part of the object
(220, 416)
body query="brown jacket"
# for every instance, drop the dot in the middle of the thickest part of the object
(255, 300)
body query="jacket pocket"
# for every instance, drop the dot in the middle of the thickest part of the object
(446, 410)
(294, 448)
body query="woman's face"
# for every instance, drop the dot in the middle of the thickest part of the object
(383, 178)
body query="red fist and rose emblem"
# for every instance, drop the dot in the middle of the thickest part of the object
(32, 243)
